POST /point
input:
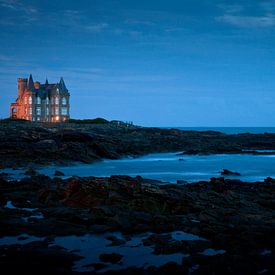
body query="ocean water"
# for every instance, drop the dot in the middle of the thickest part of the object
(168, 167)
(231, 130)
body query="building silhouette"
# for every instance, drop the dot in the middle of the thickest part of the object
(41, 102)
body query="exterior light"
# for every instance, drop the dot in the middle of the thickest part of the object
(57, 118)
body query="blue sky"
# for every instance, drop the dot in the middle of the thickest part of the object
(153, 62)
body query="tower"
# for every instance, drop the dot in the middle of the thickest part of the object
(22, 85)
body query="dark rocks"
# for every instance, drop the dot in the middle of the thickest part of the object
(30, 172)
(227, 172)
(112, 258)
(232, 215)
(58, 173)
(182, 182)
(23, 144)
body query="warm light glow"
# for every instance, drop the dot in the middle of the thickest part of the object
(57, 118)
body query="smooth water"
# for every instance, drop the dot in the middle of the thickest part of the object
(231, 130)
(168, 167)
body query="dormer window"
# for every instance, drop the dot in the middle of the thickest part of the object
(64, 101)
(30, 100)
(57, 89)
(47, 100)
(56, 101)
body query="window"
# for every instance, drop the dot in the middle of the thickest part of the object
(30, 111)
(56, 101)
(25, 100)
(30, 100)
(57, 90)
(38, 118)
(38, 111)
(47, 100)
(64, 111)
(57, 111)
(47, 111)
(38, 100)
(64, 101)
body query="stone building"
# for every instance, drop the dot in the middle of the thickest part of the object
(41, 102)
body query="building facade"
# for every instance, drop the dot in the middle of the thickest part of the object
(41, 102)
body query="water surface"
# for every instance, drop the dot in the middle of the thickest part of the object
(168, 167)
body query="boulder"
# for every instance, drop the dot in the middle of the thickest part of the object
(110, 258)
(58, 173)
(227, 172)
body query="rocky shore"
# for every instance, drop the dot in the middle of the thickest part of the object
(124, 225)
(216, 227)
(23, 143)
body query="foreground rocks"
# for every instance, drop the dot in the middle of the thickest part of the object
(22, 144)
(231, 216)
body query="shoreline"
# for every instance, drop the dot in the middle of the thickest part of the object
(26, 144)
(231, 215)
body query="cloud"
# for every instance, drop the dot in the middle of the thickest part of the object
(6, 58)
(248, 21)
(96, 28)
(17, 6)
(19, 12)
(229, 8)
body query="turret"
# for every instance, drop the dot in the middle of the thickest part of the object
(62, 85)
(30, 83)
(22, 85)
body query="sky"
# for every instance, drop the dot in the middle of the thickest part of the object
(153, 62)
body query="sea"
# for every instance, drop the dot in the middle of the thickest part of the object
(230, 130)
(171, 167)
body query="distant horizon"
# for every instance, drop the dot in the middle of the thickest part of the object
(152, 62)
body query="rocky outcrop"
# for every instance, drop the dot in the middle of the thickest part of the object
(233, 216)
(22, 144)
(226, 172)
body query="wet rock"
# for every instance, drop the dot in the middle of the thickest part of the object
(58, 173)
(269, 180)
(112, 258)
(30, 172)
(182, 182)
(227, 172)
(115, 241)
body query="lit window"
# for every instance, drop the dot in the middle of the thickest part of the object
(38, 111)
(30, 111)
(57, 111)
(56, 100)
(47, 100)
(30, 100)
(64, 111)
(64, 101)
(38, 119)
(47, 111)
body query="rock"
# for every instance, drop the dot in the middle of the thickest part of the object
(115, 241)
(30, 172)
(112, 258)
(269, 180)
(182, 182)
(46, 144)
(226, 172)
(58, 173)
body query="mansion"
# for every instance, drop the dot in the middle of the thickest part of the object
(41, 102)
